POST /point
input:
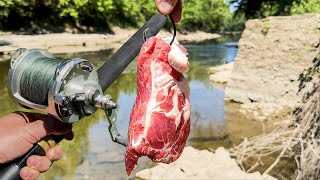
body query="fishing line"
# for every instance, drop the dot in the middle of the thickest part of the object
(37, 74)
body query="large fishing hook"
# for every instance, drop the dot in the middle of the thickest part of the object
(174, 31)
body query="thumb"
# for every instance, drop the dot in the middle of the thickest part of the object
(41, 125)
(165, 7)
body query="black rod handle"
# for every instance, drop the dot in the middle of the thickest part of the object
(114, 66)
(11, 170)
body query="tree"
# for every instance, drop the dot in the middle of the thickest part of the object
(209, 15)
(97, 15)
(262, 8)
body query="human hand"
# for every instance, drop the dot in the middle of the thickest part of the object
(20, 130)
(173, 7)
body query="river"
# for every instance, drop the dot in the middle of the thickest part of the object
(92, 155)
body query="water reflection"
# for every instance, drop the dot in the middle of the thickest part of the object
(207, 110)
(92, 155)
(7, 105)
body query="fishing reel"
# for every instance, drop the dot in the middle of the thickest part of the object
(69, 94)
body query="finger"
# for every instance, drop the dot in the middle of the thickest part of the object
(54, 153)
(42, 125)
(28, 173)
(13, 119)
(177, 12)
(30, 117)
(69, 136)
(165, 7)
(39, 163)
(53, 125)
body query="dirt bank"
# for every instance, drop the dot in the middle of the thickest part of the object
(272, 54)
(68, 43)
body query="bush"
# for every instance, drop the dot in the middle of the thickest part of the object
(305, 6)
(209, 15)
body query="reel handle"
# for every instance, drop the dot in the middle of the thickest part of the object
(11, 170)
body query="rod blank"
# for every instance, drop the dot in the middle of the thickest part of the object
(113, 67)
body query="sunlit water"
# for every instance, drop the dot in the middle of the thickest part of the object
(92, 155)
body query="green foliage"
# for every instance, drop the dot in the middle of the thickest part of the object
(75, 13)
(206, 15)
(7, 5)
(264, 8)
(15, 14)
(265, 28)
(133, 13)
(236, 23)
(95, 15)
(87, 15)
(305, 6)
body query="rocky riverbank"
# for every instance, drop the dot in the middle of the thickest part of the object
(272, 54)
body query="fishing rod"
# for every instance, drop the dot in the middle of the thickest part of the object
(69, 90)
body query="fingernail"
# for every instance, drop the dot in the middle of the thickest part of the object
(24, 173)
(165, 7)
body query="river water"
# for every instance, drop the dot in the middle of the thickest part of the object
(92, 155)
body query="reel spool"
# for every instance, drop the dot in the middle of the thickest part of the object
(68, 90)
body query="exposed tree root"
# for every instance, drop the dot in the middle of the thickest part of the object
(298, 139)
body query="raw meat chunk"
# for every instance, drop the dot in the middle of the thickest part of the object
(160, 119)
